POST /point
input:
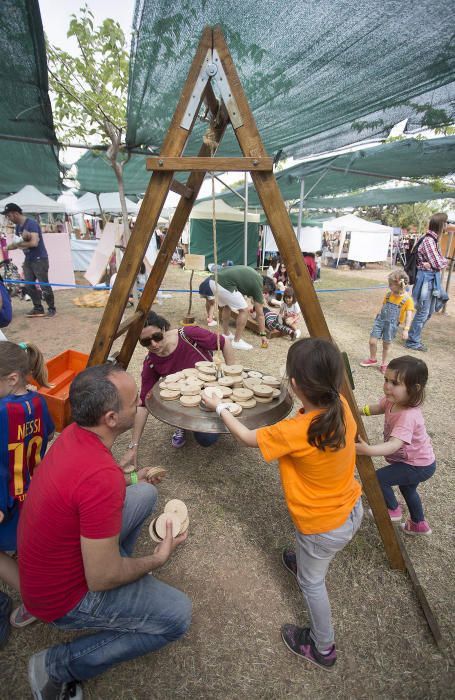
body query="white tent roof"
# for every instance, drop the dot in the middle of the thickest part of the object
(32, 201)
(110, 202)
(354, 223)
(223, 212)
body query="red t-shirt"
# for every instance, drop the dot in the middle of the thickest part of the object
(78, 490)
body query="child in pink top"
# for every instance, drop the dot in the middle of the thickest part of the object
(407, 446)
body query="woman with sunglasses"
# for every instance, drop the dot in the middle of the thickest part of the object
(171, 351)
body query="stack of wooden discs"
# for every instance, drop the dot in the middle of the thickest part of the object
(243, 386)
(175, 511)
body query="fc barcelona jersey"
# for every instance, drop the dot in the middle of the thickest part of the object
(25, 425)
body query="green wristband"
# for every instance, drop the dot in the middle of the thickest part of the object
(366, 410)
(133, 477)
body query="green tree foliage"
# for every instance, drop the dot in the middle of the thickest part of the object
(90, 89)
(407, 216)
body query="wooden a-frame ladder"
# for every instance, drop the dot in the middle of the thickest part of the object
(213, 63)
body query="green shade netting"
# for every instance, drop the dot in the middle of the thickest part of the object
(230, 241)
(306, 221)
(380, 197)
(313, 72)
(95, 174)
(335, 175)
(25, 108)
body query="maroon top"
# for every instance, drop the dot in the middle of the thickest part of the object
(183, 357)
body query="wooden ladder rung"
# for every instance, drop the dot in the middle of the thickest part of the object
(123, 327)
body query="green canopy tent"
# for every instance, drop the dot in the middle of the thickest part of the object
(361, 168)
(380, 197)
(230, 233)
(25, 110)
(316, 75)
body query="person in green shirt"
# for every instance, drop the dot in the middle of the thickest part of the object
(234, 284)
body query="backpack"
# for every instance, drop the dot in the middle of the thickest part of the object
(6, 309)
(411, 263)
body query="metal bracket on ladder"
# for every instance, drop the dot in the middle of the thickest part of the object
(212, 69)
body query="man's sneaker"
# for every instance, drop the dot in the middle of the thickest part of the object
(412, 528)
(51, 313)
(369, 362)
(289, 561)
(421, 348)
(43, 687)
(297, 334)
(230, 336)
(394, 515)
(36, 313)
(20, 617)
(5, 608)
(298, 640)
(211, 323)
(241, 345)
(178, 438)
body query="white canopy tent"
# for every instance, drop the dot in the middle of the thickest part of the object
(32, 201)
(310, 239)
(222, 211)
(110, 203)
(369, 242)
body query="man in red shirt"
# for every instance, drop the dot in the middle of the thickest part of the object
(77, 571)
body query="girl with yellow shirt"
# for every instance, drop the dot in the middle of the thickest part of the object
(315, 450)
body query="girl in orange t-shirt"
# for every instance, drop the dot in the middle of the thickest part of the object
(316, 454)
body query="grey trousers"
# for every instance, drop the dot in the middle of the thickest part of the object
(38, 270)
(314, 554)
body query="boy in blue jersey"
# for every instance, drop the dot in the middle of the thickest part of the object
(25, 429)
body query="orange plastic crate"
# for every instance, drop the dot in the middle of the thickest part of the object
(61, 371)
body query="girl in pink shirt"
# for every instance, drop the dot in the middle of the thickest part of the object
(407, 446)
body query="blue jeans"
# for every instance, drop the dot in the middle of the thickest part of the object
(407, 478)
(314, 554)
(127, 621)
(206, 439)
(424, 301)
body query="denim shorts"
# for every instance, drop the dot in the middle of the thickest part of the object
(384, 328)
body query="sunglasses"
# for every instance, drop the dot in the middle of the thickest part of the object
(156, 337)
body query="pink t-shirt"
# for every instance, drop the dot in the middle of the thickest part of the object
(407, 425)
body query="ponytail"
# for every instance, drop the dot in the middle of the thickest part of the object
(328, 429)
(26, 359)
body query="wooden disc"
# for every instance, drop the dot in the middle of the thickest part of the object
(276, 393)
(190, 401)
(190, 390)
(211, 391)
(249, 403)
(177, 376)
(251, 382)
(232, 369)
(235, 409)
(264, 399)
(262, 390)
(178, 507)
(225, 381)
(244, 375)
(242, 394)
(203, 363)
(227, 391)
(209, 371)
(152, 532)
(156, 471)
(130, 468)
(206, 377)
(254, 374)
(160, 524)
(173, 386)
(270, 381)
(190, 372)
(168, 395)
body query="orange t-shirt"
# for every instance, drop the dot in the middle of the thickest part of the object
(319, 487)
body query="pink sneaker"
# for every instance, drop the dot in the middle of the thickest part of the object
(383, 368)
(20, 617)
(412, 528)
(395, 515)
(368, 363)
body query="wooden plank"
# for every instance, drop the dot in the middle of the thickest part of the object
(123, 327)
(252, 325)
(181, 189)
(196, 163)
(272, 202)
(155, 196)
(169, 244)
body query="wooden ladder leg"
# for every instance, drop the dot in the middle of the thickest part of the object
(272, 202)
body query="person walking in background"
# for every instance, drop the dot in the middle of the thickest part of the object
(426, 290)
(36, 263)
(397, 307)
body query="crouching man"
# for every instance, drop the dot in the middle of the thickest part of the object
(77, 533)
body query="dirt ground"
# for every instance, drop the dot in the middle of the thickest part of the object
(230, 566)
